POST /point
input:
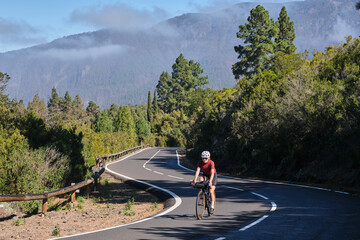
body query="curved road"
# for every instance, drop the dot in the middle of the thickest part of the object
(245, 209)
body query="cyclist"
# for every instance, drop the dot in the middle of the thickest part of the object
(207, 166)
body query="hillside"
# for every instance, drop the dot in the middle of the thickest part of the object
(120, 67)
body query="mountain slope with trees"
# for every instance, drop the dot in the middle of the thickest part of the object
(295, 118)
(104, 66)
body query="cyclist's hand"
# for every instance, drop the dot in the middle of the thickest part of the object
(210, 184)
(193, 183)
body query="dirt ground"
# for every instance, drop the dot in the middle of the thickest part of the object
(114, 203)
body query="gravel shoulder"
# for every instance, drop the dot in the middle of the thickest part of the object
(114, 203)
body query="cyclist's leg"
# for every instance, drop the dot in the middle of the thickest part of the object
(213, 187)
(212, 193)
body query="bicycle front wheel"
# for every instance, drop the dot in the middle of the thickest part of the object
(200, 205)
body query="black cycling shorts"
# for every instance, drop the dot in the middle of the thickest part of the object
(214, 182)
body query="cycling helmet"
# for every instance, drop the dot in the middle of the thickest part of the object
(205, 154)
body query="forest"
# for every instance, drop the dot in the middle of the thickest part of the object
(290, 116)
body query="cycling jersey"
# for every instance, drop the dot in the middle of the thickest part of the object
(206, 167)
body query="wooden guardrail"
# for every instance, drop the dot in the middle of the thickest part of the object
(113, 156)
(100, 162)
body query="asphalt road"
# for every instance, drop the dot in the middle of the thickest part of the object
(245, 209)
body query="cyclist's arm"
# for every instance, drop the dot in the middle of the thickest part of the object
(197, 174)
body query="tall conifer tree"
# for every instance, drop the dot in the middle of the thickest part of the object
(155, 103)
(173, 90)
(54, 104)
(149, 108)
(286, 36)
(38, 106)
(258, 35)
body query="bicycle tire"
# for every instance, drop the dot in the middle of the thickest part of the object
(200, 205)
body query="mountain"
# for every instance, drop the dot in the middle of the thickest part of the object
(108, 67)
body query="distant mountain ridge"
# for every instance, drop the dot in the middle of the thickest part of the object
(108, 67)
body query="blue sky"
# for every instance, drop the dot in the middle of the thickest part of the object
(25, 23)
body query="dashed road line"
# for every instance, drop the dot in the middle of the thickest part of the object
(234, 188)
(273, 204)
(175, 177)
(259, 195)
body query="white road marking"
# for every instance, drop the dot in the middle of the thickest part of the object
(259, 195)
(254, 223)
(175, 177)
(176, 197)
(160, 173)
(239, 189)
(274, 206)
(220, 238)
(342, 192)
(179, 164)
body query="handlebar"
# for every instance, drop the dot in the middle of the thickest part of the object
(201, 184)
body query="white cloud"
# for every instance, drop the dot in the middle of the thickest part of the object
(118, 17)
(19, 32)
(75, 54)
(342, 29)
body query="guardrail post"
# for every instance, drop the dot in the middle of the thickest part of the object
(72, 196)
(45, 204)
(88, 191)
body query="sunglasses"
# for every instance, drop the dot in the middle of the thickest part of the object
(204, 158)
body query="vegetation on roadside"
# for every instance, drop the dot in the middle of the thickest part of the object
(289, 116)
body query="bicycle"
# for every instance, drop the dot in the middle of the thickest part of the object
(203, 200)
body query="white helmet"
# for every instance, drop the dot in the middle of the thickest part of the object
(205, 154)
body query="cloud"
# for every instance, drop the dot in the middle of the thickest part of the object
(19, 32)
(118, 17)
(217, 5)
(75, 54)
(342, 29)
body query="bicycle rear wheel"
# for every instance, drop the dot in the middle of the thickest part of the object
(200, 205)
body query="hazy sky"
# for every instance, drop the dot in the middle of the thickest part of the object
(24, 23)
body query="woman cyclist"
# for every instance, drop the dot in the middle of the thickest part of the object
(207, 166)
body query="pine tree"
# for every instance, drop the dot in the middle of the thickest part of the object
(54, 104)
(149, 108)
(142, 129)
(164, 90)
(286, 35)
(38, 106)
(78, 107)
(113, 111)
(155, 103)
(92, 111)
(173, 90)
(358, 5)
(67, 107)
(258, 35)
(103, 123)
(124, 121)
